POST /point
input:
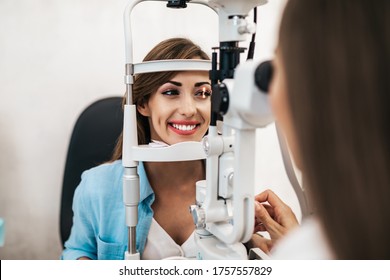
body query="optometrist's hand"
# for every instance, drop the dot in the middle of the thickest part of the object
(259, 241)
(274, 216)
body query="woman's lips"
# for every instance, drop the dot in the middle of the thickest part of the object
(184, 127)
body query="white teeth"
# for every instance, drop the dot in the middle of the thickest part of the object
(183, 127)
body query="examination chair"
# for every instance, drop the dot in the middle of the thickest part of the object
(92, 142)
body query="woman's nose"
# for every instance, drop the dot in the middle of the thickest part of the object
(187, 106)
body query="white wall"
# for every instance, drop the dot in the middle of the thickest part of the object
(56, 57)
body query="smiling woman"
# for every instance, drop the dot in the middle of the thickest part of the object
(172, 107)
(180, 109)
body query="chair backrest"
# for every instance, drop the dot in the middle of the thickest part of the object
(92, 142)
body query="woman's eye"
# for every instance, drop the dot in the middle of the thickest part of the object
(170, 92)
(203, 93)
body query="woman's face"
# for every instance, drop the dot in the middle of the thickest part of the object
(280, 107)
(180, 109)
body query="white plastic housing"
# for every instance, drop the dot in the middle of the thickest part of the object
(182, 151)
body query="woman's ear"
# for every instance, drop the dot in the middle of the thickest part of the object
(143, 109)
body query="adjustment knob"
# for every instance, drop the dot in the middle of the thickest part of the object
(198, 215)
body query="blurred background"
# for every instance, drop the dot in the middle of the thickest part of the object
(56, 58)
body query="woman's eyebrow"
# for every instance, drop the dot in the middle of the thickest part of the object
(196, 84)
(175, 83)
(201, 84)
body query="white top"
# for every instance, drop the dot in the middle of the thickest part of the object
(159, 245)
(306, 242)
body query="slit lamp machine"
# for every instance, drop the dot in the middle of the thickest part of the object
(223, 212)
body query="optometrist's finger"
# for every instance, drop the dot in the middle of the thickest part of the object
(270, 197)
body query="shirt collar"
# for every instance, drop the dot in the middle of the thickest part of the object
(145, 188)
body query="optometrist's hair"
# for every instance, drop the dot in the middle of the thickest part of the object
(146, 84)
(336, 57)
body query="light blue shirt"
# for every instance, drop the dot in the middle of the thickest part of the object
(2, 232)
(99, 230)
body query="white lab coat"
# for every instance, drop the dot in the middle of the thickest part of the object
(306, 242)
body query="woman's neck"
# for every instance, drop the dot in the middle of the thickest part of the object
(174, 187)
(177, 176)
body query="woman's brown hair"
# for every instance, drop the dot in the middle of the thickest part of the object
(336, 57)
(146, 84)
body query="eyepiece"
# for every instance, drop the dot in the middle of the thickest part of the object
(263, 75)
